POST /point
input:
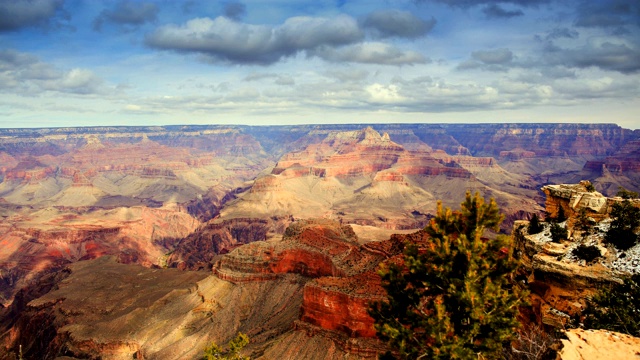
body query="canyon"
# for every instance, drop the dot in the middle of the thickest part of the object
(151, 242)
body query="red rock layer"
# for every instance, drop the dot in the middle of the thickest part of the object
(358, 153)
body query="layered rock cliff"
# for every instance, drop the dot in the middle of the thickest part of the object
(315, 283)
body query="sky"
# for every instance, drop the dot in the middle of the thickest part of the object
(284, 62)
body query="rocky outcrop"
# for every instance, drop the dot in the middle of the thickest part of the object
(341, 273)
(574, 197)
(312, 248)
(598, 344)
(342, 303)
(558, 279)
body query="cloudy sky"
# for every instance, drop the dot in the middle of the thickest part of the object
(82, 62)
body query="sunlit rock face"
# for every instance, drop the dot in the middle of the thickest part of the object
(592, 344)
(559, 280)
(316, 281)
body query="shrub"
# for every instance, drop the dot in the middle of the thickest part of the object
(626, 220)
(590, 187)
(454, 298)
(558, 233)
(213, 351)
(615, 308)
(626, 194)
(534, 225)
(533, 343)
(587, 253)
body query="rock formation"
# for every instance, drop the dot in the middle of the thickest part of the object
(316, 282)
(559, 280)
(597, 344)
(193, 196)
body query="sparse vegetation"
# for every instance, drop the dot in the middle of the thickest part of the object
(626, 194)
(587, 253)
(625, 223)
(615, 308)
(235, 346)
(533, 343)
(454, 299)
(590, 187)
(558, 233)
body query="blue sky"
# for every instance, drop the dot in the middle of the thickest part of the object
(86, 63)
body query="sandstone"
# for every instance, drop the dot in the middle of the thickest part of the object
(599, 344)
(559, 281)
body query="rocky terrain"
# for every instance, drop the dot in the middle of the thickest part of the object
(560, 281)
(221, 198)
(306, 293)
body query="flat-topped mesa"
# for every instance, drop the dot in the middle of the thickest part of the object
(585, 140)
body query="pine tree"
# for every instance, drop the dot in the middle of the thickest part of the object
(534, 225)
(452, 299)
(626, 221)
(558, 233)
(626, 194)
(615, 308)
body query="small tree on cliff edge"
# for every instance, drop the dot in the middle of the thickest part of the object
(453, 298)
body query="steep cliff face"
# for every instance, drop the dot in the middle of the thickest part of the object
(542, 139)
(195, 251)
(621, 169)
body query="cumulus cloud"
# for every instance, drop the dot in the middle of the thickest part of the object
(17, 14)
(26, 74)
(234, 10)
(495, 11)
(222, 39)
(371, 53)
(127, 15)
(396, 23)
